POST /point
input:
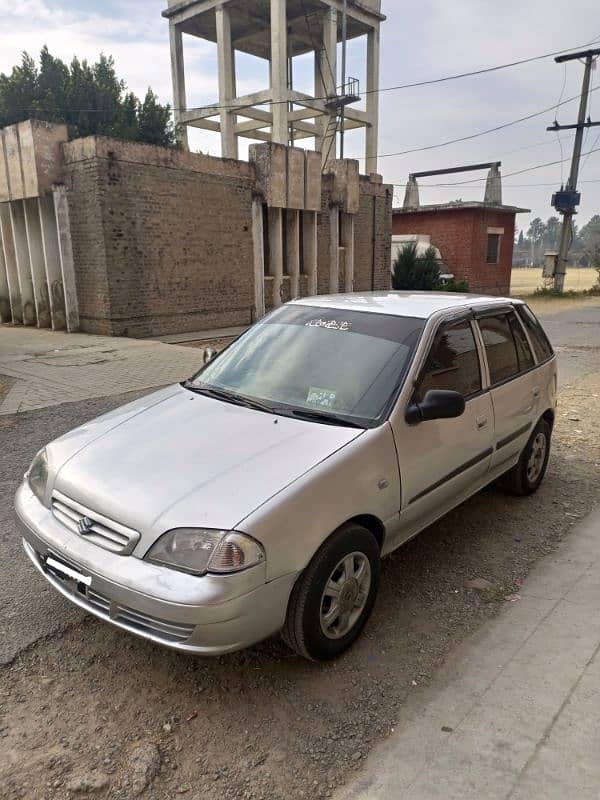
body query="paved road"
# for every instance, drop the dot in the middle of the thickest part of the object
(30, 609)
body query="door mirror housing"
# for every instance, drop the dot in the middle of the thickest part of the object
(209, 354)
(437, 404)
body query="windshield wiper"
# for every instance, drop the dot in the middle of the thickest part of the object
(324, 417)
(229, 397)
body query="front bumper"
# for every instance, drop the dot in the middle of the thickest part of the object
(208, 615)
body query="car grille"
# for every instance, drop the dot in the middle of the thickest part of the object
(93, 526)
(107, 609)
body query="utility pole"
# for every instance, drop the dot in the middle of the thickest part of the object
(567, 199)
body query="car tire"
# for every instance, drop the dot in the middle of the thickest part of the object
(526, 476)
(348, 563)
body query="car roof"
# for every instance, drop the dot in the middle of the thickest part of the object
(403, 304)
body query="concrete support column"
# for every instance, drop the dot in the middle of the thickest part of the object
(258, 242)
(309, 232)
(372, 135)
(276, 253)
(227, 87)
(326, 82)
(334, 249)
(17, 215)
(67, 266)
(293, 252)
(178, 78)
(5, 315)
(49, 232)
(36, 259)
(10, 263)
(348, 245)
(279, 71)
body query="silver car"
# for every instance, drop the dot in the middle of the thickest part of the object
(260, 495)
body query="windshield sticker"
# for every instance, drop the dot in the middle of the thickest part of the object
(330, 324)
(324, 398)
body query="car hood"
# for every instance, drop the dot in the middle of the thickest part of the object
(178, 459)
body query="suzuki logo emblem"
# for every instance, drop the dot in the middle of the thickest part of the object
(84, 526)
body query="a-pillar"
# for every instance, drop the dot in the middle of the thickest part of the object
(178, 77)
(276, 253)
(227, 83)
(326, 83)
(372, 135)
(279, 71)
(334, 249)
(310, 249)
(17, 216)
(293, 251)
(56, 295)
(36, 258)
(258, 243)
(348, 245)
(67, 266)
(10, 262)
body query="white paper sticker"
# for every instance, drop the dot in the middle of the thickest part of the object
(324, 398)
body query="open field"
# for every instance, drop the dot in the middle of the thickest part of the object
(527, 280)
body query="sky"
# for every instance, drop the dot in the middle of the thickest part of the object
(420, 41)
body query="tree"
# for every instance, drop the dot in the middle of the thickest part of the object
(536, 233)
(521, 240)
(552, 233)
(590, 235)
(90, 98)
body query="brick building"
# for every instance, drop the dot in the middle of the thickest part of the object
(475, 240)
(120, 238)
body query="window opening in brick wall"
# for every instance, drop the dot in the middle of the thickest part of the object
(493, 248)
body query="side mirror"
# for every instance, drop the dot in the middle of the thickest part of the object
(208, 354)
(437, 404)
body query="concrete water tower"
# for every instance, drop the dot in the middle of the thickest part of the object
(278, 30)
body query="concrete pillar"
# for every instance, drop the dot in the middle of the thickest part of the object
(17, 215)
(276, 253)
(178, 78)
(279, 71)
(493, 187)
(56, 294)
(227, 89)
(334, 249)
(348, 245)
(10, 263)
(326, 82)
(293, 251)
(67, 266)
(372, 135)
(310, 249)
(411, 195)
(36, 259)
(5, 315)
(258, 242)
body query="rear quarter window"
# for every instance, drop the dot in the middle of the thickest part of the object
(539, 340)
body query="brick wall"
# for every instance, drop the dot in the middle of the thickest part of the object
(461, 236)
(162, 239)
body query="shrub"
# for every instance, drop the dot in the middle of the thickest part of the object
(412, 271)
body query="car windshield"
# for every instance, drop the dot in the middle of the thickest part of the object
(331, 365)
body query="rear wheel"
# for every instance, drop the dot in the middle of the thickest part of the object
(334, 596)
(526, 476)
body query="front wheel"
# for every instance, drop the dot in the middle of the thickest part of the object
(526, 476)
(334, 596)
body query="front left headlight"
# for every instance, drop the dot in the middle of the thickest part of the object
(202, 550)
(37, 475)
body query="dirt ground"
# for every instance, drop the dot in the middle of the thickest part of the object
(527, 280)
(94, 712)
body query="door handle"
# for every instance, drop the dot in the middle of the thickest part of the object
(481, 422)
(536, 392)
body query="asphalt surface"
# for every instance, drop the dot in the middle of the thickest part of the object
(32, 610)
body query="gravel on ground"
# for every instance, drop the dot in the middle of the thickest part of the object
(94, 712)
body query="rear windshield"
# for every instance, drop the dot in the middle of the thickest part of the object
(345, 363)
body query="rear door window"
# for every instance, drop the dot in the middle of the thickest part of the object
(500, 348)
(453, 363)
(539, 340)
(523, 349)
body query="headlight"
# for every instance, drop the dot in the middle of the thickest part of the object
(199, 550)
(37, 475)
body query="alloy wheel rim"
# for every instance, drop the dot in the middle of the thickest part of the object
(537, 456)
(345, 595)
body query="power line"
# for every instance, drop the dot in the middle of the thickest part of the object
(482, 133)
